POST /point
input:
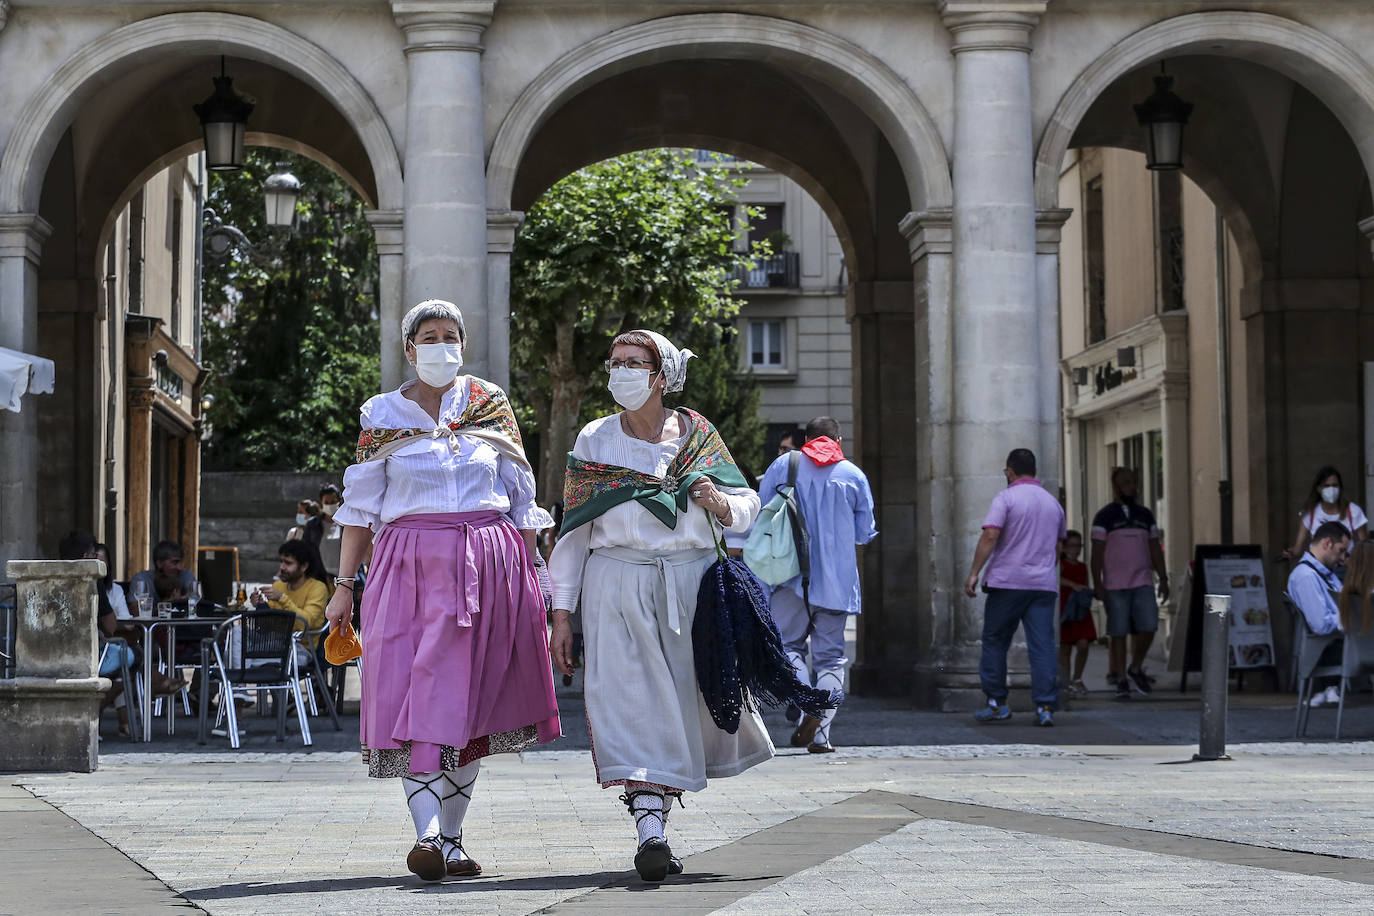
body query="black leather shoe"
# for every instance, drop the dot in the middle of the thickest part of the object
(674, 866)
(653, 859)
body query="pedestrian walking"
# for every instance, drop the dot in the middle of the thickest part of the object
(647, 491)
(1076, 628)
(837, 510)
(1126, 559)
(1020, 546)
(455, 657)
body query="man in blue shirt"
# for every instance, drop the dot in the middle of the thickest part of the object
(837, 507)
(1313, 586)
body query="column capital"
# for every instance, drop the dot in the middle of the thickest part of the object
(23, 235)
(1049, 225)
(142, 398)
(928, 232)
(996, 25)
(443, 25)
(388, 230)
(502, 226)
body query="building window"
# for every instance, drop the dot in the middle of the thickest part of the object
(1095, 260)
(767, 345)
(176, 269)
(767, 222)
(1169, 257)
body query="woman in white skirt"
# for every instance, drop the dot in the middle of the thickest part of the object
(647, 491)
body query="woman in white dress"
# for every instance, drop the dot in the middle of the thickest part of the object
(647, 493)
(1327, 502)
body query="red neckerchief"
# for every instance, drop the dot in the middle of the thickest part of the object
(823, 450)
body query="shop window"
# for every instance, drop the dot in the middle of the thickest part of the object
(767, 345)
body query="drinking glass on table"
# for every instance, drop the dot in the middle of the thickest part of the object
(143, 596)
(192, 599)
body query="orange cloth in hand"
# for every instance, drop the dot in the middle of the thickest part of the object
(342, 646)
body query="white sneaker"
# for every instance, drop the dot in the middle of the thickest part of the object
(1327, 697)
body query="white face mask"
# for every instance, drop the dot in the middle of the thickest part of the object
(437, 364)
(301, 518)
(1330, 494)
(329, 509)
(630, 387)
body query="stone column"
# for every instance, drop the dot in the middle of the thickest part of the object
(996, 349)
(502, 226)
(445, 171)
(49, 711)
(1048, 227)
(388, 229)
(140, 463)
(944, 653)
(21, 240)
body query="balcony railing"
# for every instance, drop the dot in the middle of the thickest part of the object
(779, 271)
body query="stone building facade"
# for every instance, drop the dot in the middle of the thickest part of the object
(932, 132)
(793, 332)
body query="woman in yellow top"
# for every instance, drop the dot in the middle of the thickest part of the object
(299, 587)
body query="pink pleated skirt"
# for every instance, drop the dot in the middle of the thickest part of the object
(455, 647)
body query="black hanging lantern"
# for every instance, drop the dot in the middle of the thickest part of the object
(279, 194)
(224, 119)
(1163, 116)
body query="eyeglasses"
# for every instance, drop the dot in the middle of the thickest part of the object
(628, 364)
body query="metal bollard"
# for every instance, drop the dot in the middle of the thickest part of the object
(1216, 623)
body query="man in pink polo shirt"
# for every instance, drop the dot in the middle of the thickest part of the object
(1020, 546)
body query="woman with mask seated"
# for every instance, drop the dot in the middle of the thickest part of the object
(1327, 502)
(648, 490)
(455, 652)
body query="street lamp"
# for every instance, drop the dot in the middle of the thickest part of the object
(279, 193)
(224, 120)
(1163, 116)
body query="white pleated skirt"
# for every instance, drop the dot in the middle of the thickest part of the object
(647, 719)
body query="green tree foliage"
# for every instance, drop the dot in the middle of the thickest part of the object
(292, 339)
(642, 240)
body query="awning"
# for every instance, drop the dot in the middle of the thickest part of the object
(22, 373)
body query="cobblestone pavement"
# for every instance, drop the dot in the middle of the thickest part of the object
(946, 818)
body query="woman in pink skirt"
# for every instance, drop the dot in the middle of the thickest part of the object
(455, 649)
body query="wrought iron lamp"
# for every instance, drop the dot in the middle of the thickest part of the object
(1163, 115)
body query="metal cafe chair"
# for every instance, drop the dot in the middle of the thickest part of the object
(1308, 649)
(309, 641)
(252, 651)
(1357, 659)
(131, 686)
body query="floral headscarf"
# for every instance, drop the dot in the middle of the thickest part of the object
(674, 361)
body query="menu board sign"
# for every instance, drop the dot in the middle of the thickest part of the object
(1239, 572)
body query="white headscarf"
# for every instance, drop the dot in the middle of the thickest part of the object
(674, 361)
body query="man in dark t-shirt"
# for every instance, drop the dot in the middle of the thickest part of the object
(1126, 557)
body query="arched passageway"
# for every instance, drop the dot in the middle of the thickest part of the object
(116, 114)
(677, 82)
(1279, 140)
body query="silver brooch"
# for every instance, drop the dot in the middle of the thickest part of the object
(670, 485)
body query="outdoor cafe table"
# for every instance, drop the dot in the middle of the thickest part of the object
(171, 625)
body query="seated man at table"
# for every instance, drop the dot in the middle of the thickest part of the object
(1313, 586)
(300, 587)
(168, 580)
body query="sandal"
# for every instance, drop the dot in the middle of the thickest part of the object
(466, 867)
(426, 860)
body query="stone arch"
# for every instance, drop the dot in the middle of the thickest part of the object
(1311, 58)
(865, 80)
(47, 113)
(252, 138)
